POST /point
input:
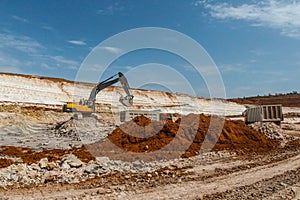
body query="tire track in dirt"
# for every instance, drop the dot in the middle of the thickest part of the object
(197, 189)
(273, 188)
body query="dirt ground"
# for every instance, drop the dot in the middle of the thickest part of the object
(272, 175)
(244, 164)
(288, 100)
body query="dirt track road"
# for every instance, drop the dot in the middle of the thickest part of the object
(256, 179)
(197, 189)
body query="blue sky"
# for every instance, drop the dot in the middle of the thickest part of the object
(255, 44)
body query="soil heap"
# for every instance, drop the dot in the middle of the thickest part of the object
(142, 136)
(29, 156)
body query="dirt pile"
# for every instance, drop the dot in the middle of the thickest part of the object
(28, 155)
(235, 136)
(141, 121)
(140, 136)
(143, 135)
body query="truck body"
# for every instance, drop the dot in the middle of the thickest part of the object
(153, 115)
(130, 114)
(263, 113)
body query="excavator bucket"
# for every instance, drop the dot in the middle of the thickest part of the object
(127, 101)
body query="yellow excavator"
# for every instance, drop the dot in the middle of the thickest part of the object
(87, 107)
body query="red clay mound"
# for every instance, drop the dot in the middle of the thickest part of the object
(5, 162)
(144, 136)
(141, 120)
(29, 156)
(235, 136)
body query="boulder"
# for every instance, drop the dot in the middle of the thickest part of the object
(72, 160)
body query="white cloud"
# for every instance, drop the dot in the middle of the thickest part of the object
(20, 52)
(9, 64)
(231, 68)
(189, 68)
(111, 9)
(21, 19)
(114, 50)
(124, 67)
(20, 43)
(92, 67)
(54, 62)
(277, 14)
(46, 27)
(77, 42)
(258, 52)
(46, 66)
(62, 60)
(72, 67)
(8, 61)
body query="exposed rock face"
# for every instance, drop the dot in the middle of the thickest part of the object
(50, 91)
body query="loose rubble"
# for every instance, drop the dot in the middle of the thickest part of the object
(86, 130)
(69, 169)
(270, 130)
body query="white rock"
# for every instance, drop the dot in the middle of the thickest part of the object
(65, 166)
(72, 160)
(91, 168)
(43, 163)
(102, 159)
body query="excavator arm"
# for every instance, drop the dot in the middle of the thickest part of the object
(126, 101)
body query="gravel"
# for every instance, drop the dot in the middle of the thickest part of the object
(271, 131)
(70, 169)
